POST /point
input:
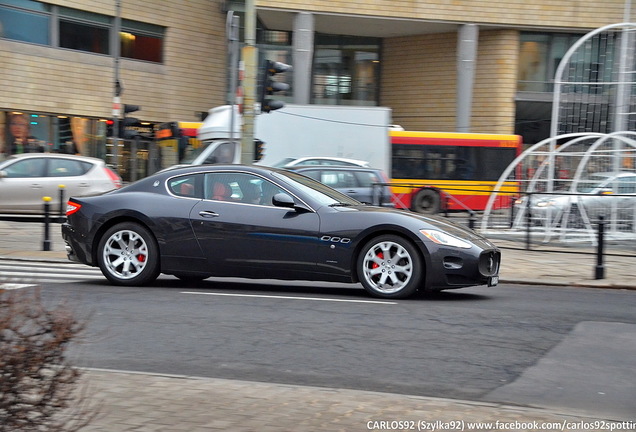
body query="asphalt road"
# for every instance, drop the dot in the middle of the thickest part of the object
(506, 343)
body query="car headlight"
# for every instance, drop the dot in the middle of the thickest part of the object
(546, 203)
(442, 238)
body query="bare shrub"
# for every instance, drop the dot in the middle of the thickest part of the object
(38, 385)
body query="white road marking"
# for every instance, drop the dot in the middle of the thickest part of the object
(290, 297)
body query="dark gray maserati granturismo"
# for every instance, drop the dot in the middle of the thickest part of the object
(260, 222)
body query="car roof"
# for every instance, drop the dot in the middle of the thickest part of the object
(53, 155)
(335, 158)
(331, 168)
(614, 174)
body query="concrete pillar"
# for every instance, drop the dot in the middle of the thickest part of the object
(302, 57)
(466, 58)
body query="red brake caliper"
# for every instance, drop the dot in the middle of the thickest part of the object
(375, 264)
(141, 258)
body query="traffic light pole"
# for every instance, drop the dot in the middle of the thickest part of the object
(117, 88)
(250, 60)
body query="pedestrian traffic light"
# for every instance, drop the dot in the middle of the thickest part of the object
(259, 150)
(110, 127)
(269, 86)
(124, 131)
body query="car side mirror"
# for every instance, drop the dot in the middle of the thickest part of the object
(283, 200)
(3, 174)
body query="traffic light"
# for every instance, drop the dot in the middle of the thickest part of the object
(259, 150)
(269, 86)
(124, 132)
(110, 127)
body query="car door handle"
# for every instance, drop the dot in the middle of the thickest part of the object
(350, 191)
(208, 214)
(36, 186)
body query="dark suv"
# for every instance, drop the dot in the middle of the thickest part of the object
(367, 185)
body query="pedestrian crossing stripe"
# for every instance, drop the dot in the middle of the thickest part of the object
(14, 286)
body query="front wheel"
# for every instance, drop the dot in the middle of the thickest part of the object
(128, 255)
(389, 266)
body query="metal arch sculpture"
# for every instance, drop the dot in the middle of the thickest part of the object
(593, 111)
(583, 154)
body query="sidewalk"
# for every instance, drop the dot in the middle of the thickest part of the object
(130, 401)
(24, 240)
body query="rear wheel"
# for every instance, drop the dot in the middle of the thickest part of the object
(389, 266)
(426, 201)
(128, 255)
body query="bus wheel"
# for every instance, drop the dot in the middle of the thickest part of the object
(426, 201)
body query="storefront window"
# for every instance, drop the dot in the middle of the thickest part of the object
(30, 132)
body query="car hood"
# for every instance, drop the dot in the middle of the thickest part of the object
(427, 221)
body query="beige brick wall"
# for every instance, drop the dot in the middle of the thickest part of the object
(419, 75)
(192, 78)
(539, 13)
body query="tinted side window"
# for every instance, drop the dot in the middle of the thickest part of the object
(188, 186)
(627, 185)
(67, 168)
(33, 167)
(239, 187)
(366, 178)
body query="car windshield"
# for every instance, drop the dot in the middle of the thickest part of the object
(318, 191)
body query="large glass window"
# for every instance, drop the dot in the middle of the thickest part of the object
(141, 41)
(84, 31)
(25, 20)
(539, 57)
(31, 21)
(346, 70)
(83, 37)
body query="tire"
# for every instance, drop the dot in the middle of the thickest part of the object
(128, 255)
(390, 267)
(426, 201)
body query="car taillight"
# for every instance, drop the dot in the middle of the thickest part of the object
(113, 177)
(72, 207)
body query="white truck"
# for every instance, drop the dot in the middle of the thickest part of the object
(298, 131)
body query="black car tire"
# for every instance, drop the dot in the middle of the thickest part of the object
(128, 255)
(426, 201)
(389, 266)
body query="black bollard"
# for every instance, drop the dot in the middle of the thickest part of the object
(46, 243)
(599, 270)
(62, 203)
(471, 220)
(529, 220)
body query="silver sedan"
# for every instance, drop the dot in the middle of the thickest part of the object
(27, 178)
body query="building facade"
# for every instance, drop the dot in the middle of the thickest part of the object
(478, 65)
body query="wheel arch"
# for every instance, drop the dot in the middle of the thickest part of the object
(115, 221)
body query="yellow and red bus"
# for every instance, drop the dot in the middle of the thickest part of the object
(179, 137)
(438, 171)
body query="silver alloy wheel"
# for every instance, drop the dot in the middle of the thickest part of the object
(387, 267)
(125, 254)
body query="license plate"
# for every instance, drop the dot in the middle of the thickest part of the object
(493, 280)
